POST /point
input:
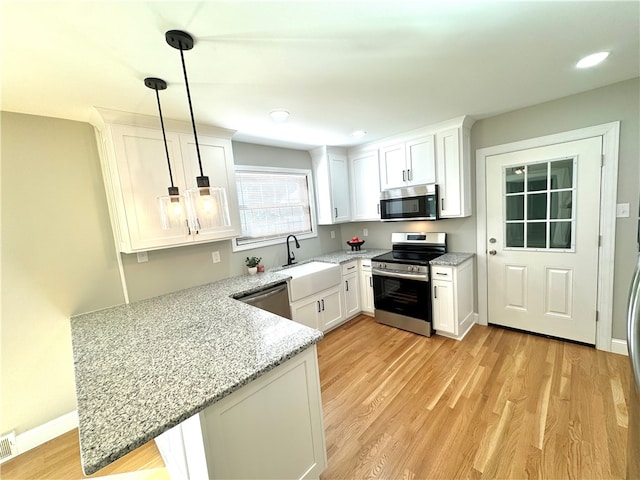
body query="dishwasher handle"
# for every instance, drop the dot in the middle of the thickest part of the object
(262, 294)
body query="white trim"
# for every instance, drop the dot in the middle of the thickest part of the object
(619, 346)
(610, 133)
(43, 433)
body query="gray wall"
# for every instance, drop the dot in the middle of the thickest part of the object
(58, 260)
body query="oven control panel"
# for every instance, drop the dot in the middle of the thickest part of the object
(400, 267)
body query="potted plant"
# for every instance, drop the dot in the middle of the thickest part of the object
(252, 264)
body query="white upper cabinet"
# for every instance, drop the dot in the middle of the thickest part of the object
(365, 185)
(453, 152)
(408, 163)
(136, 174)
(331, 179)
(421, 161)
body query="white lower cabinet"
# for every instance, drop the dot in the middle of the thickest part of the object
(321, 311)
(351, 289)
(366, 287)
(452, 295)
(270, 428)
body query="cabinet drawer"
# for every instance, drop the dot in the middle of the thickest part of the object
(365, 264)
(438, 272)
(349, 267)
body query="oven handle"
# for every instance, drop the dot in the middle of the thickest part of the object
(422, 277)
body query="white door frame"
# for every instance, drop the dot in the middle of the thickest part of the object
(610, 133)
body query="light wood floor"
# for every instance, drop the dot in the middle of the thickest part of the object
(499, 404)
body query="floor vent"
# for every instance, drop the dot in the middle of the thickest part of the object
(7, 445)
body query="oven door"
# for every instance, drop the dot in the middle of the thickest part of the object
(402, 294)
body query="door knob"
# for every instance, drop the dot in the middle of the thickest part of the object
(492, 252)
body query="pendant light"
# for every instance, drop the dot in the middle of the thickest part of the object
(172, 213)
(208, 204)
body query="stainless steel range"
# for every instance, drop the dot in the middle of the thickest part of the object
(401, 281)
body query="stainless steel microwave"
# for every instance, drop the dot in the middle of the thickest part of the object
(419, 202)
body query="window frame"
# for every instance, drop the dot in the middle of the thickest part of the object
(312, 206)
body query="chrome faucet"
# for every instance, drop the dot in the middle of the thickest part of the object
(290, 255)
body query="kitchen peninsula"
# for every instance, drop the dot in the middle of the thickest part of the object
(146, 367)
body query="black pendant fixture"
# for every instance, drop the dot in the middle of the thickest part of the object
(172, 212)
(183, 41)
(207, 206)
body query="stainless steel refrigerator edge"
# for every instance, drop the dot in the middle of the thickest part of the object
(633, 343)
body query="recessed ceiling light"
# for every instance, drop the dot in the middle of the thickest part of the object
(592, 60)
(279, 115)
(359, 133)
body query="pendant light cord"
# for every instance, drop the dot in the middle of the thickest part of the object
(193, 122)
(164, 135)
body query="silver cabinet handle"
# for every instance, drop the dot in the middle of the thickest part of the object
(347, 285)
(435, 292)
(318, 302)
(351, 268)
(371, 282)
(378, 206)
(409, 175)
(322, 304)
(336, 212)
(188, 227)
(442, 204)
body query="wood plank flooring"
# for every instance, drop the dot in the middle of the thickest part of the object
(499, 404)
(59, 459)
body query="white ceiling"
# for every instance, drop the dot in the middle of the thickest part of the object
(337, 66)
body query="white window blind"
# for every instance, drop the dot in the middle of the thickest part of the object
(273, 204)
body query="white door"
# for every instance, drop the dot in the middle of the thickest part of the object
(542, 239)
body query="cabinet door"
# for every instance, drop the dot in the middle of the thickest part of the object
(332, 309)
(365, 186)
(351, 285)
(421, 161)
(393, 170)
(142, 176)
(366, 292)
(449, 172)
(217, 164)
(339, 173)
(443, 307)
(307, 312)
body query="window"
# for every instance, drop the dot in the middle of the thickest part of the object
(274, 203)
(540, 206)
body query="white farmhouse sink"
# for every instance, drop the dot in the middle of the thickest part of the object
(310, 278)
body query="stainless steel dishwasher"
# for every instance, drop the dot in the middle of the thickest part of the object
(272, 299)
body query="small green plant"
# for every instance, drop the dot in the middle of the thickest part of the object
(253, 261)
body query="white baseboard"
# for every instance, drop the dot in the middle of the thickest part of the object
(43, 433)
(619, 346)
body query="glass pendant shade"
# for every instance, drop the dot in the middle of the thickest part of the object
(172, 212)
(209, 207)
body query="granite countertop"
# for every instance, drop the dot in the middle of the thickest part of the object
(145, 367)
(452, 259)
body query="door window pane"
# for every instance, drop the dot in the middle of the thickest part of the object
(515, 179)
(560, 235)
(537, 195)
(537, 235)
(561, 203)
(562, 174)
(515, 207)
(537, 177)
(515, 235)
(537, 206)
